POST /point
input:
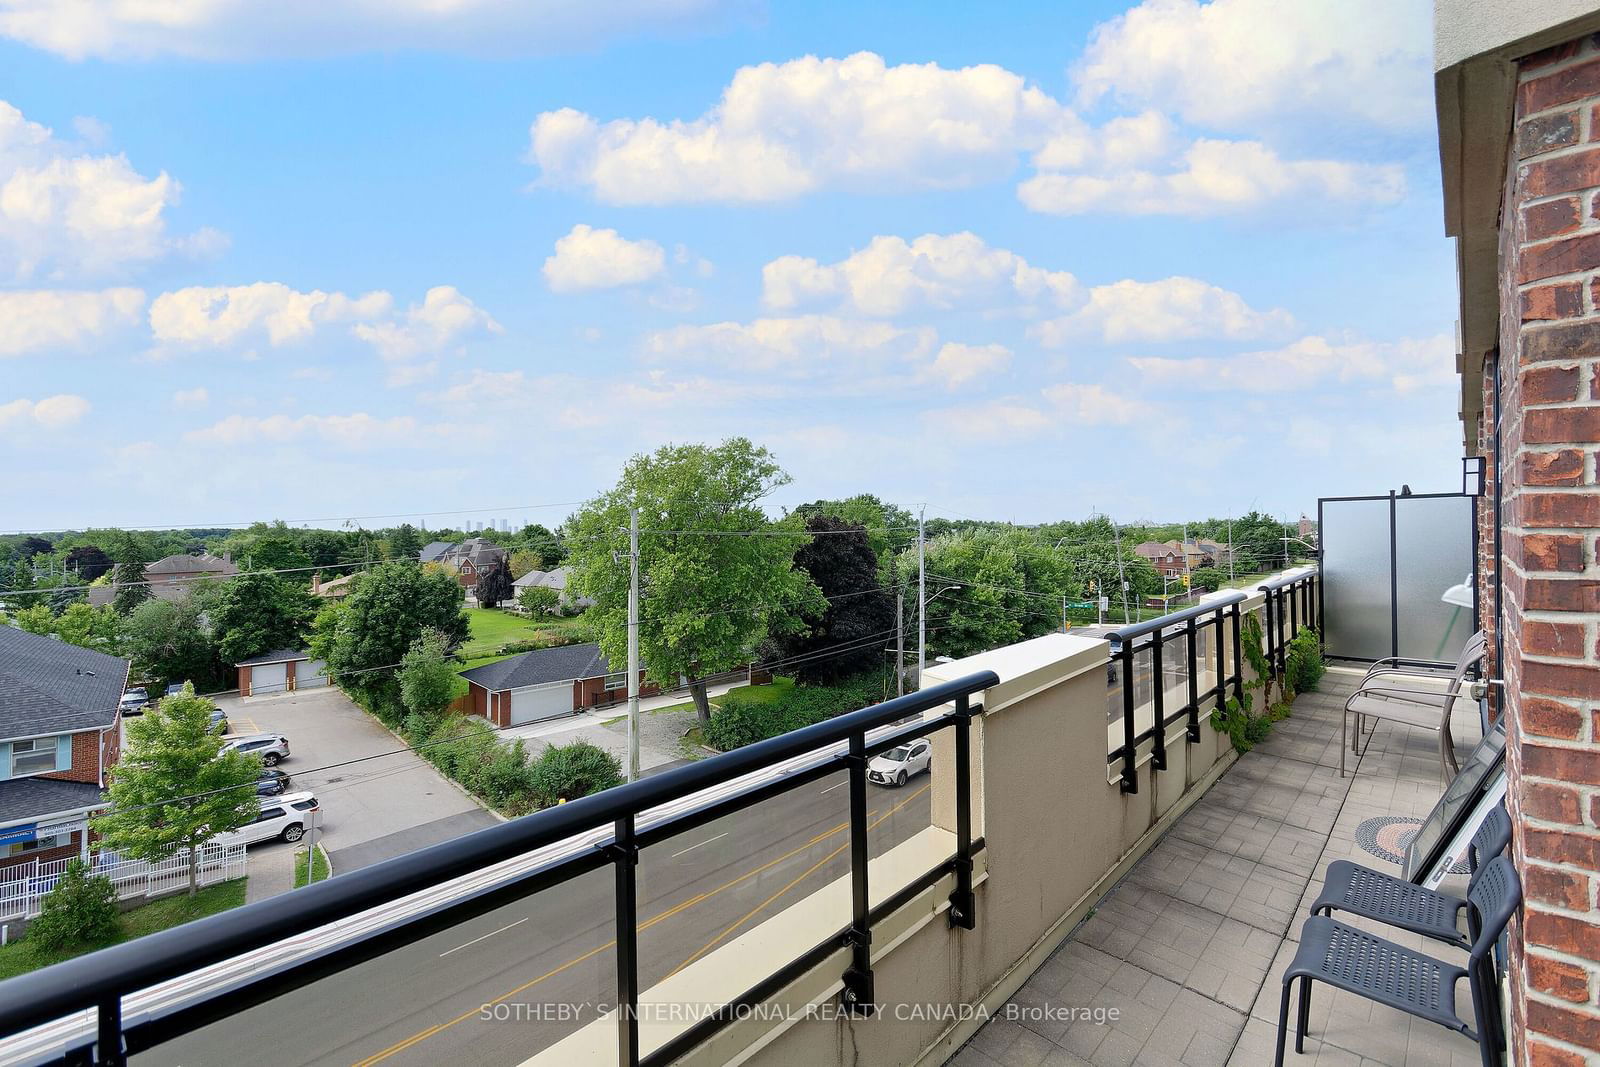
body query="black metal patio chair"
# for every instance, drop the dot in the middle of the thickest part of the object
(1386, 973)
(1350, 887)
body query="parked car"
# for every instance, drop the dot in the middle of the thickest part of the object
(285, 817)
(174, 688)
(219, 720)
(270, 747)
(134, 701)
(900, 763)
(272, 783)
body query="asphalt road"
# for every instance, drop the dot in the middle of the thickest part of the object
(381, 806)
(422, 1004)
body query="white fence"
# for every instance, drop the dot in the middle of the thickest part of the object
(24, 887)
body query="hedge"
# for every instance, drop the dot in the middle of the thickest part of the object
(745, 718)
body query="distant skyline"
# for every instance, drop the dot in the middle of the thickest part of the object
(1021, 261)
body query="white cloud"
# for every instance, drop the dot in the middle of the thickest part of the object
(1212, 177)
(64, 213)
(443, 319)
(1402, 366)
(892, 275)
(51, 413)
(803, 346)
(956, 364)
(246, 29)
(1235, 63)
(998, 420)
(220, 315)
(588, 258)
(359, 430)
(1173, 309)
(36, 319)
(1095, 405)
(190, 399)
(785, 129)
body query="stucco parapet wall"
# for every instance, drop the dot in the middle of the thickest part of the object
(1026, 668)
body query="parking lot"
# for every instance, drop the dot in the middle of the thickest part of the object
(378, 798)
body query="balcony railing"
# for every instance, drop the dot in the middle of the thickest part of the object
(96, 984)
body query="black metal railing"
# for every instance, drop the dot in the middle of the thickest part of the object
(1292, 602)
(98, 982)
(1154, 637)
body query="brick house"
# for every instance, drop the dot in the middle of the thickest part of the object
(60, 735)
(471, 559)
(1162, 555)
(547, 683)
(171, 577)
(1518, 101)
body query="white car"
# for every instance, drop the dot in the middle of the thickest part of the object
(900, 763)
(286, 817)
(270, 747)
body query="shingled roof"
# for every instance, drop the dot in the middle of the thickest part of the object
(48, 686)
(562, 664)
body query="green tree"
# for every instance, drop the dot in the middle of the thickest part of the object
(270, 547)
(428, 678)
(524, 560)
(174, 787)
(850, 635)
(22, 580)
(255, 613)
(1208, 579)
(889, 528)
(36, 619)
(494, 585)
(323, 547)
(131, 588)
(166, 640)
(709, 601)
(81, 909)
(548, 545)
(540, 599)
(405, 542)
(388, 608)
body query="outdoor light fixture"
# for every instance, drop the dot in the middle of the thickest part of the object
(1472, 469)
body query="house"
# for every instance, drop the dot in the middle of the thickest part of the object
(281, 671)
(171, 577)
(333, 588)
(1173, 558)
(471, 559)
(557, 580)
(60, 734)
(1164, 556)
(546, 683)
(434, 551)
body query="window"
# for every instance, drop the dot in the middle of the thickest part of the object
(53, 841)
(33, 757)
(618, 680)
(270, 813)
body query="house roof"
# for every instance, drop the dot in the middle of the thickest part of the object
(22, 799)
(181, 563)
(542, 665)
(477, 551)
(281, 655)
(433, 550)
(556, 579)
(48, 686)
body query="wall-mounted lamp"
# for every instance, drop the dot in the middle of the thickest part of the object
(1472, 475)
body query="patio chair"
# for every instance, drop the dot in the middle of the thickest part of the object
(1350, 887)
(1410, 702)
(1471, 653)
(1386, 973)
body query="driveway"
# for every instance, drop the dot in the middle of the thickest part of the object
(379, 799)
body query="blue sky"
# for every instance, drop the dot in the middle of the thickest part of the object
(1026, 261)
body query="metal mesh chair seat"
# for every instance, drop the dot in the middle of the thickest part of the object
(1382, 971)
(1371, 894)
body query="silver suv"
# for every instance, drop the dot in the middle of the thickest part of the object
(270, 747)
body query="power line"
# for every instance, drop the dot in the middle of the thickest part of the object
(181, 527)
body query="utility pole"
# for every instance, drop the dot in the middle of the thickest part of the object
(899, 640)
(1231, 552)
(1122, 573)
(922, 596)
(633, 644)
(1063, 613)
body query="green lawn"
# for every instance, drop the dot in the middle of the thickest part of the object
(20, 957)
(761, 694)
(320, 871)
(490, 628)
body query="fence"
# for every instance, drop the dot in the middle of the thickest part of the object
(25, 886)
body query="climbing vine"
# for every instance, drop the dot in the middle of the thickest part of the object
(1303, 669)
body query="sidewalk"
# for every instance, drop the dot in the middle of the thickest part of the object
(270, 873)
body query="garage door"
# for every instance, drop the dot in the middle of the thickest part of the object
(309, 674)
(269, 678)
(540, 702)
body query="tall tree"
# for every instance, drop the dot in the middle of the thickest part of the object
(167, 640)
(128, 576)
(537, 538)
(323, 547)
(718, 577)
(174, 787)
(494, 585)
(256, 612)
(524, 560)
(388, 608)
(427, 679)
(405, 542)
(850, 635)
(270, 547)
(89, 561)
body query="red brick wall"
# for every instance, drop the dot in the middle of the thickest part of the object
(1550, 427)
(85, 759)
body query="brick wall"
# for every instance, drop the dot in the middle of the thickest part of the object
(1550, 427)
(85, 759)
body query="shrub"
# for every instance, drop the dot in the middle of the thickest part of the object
(540, 600)
(747, 716)
(567, 772)
(80, 910)
(1304, 666)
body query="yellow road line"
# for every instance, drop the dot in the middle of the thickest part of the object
(709, 945)
(423, 1035)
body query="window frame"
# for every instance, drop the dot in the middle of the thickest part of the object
(35, 745)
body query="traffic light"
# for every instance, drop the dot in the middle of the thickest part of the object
(1186, 581)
